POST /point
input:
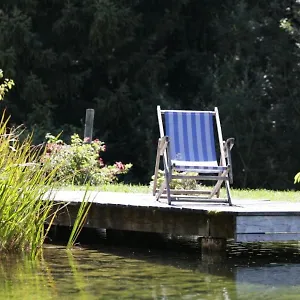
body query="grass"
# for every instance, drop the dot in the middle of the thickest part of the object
(257, 194)
(117, 188)
(262, 194)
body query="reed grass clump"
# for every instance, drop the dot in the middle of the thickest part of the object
(23, 184)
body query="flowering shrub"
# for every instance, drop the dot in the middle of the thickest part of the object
(80, 162)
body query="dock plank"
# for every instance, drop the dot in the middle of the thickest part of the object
(267, 224)
(240, 207)
(267, 237)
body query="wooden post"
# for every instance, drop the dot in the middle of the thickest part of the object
(213, 250)
(210, 245)
(88, 126)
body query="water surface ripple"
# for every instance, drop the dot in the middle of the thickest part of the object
(170, 269)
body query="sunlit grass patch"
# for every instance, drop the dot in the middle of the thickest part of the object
(263, 194)
(118, 188)
(255, 194)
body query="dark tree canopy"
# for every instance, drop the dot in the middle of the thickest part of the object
(123, 57)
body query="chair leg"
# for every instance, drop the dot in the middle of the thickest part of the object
(167, 180)
(156, 172)
(219, 190)
(228, 192)
(217, 186)
(161, 190)
(154, 183)
(165, 186)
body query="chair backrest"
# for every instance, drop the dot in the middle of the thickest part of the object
(191, 134)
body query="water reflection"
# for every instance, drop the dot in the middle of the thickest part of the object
(171, 269)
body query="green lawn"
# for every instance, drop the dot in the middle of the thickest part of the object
(290, 196)
(123, 188)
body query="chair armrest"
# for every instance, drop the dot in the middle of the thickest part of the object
(229, 143)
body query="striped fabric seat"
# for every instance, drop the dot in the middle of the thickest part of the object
(192, 141)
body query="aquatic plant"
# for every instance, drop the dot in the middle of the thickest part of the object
(79, 222)
(23, 185)
(24, 181)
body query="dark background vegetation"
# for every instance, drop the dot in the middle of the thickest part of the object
(124, 57)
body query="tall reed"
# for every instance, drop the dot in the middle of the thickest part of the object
(81, 216)
(23, 184)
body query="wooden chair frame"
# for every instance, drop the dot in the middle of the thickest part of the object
(163, 153)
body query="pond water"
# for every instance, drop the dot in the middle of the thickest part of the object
(169, 268)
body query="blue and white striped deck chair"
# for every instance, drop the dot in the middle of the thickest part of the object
(187, 144)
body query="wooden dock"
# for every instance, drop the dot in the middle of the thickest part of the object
(245, 221)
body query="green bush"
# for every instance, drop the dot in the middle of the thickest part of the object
(177, 184)
(80, 162)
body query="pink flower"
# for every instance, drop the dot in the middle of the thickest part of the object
(101, 163)
(86, 140)
(119, 165)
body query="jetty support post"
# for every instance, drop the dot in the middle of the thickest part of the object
(213, 250)
(213, 245)
(89, 124)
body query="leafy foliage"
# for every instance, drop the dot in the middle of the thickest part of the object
(80, 162)
(177, 184)
(5, 86)
(122, 58)
(291, 24)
